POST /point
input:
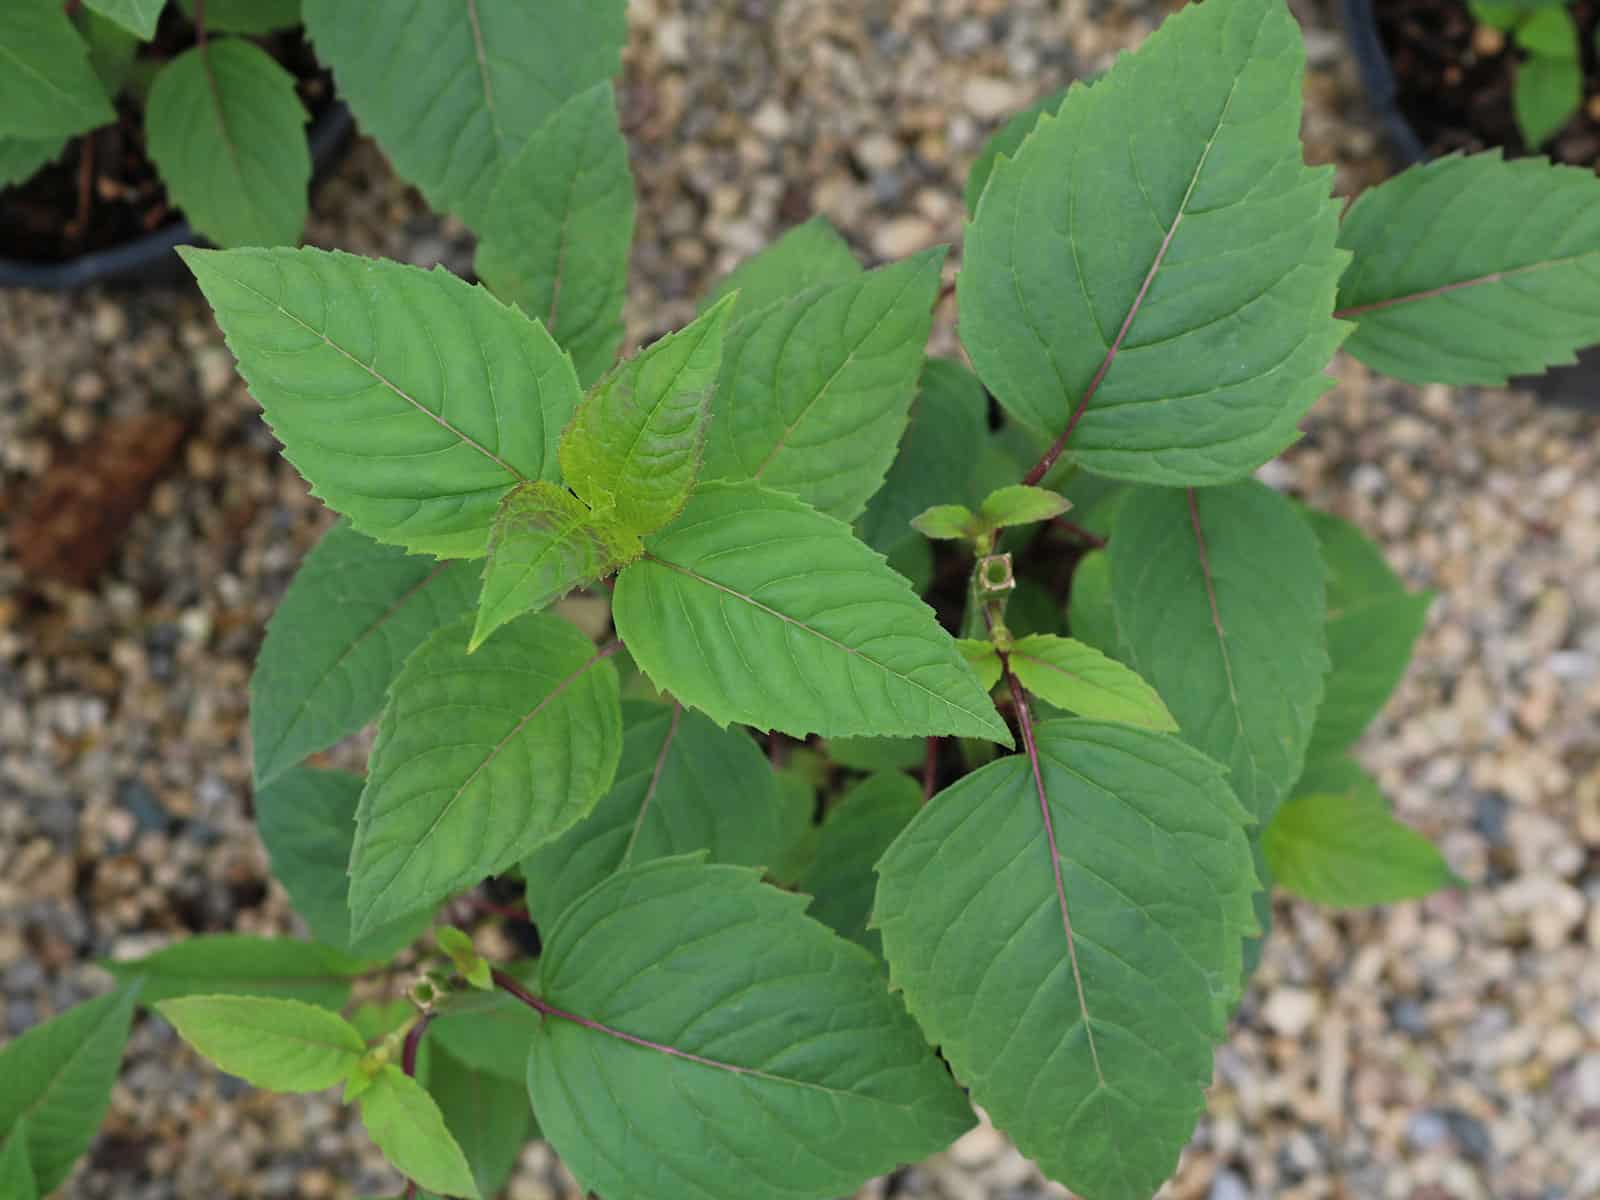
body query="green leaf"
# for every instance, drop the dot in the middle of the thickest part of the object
(1357, 571)
(1090, 613)
(47, 88)
(248, 16)
(374, 1020)
(16, 1172)
(1471, 270)
(1219, 600)
(948, 419)
(1550, 31)
(753, 607)
(488, 1117)
(558, 227)
(1006, 140)
(682, 785)
(492, 1040)
(1159, 257)
(984, 660)
(22, 158)
(452, 92)
(756, 1053)
(355, 362)
(280, 1045)
(1020, 505)
(633, 449)
(237, 964)
(112, 50)
(806, 256)
(405, 1123)
(56, 1079)
(138, 17)
(1369, 646)
(353, 613)
(877, 753)
(227, 132)
(1545, 95)
(1346, 850)
(946, 522)
(1078, 678)
(307, 821)
(816, 390)
(854, 836)
(545, 542)
(479, 761)
(1076, 987)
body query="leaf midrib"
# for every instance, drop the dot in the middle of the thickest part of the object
(1443, 289)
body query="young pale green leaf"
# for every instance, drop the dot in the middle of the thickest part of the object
(1156, 268)
(558, 226)
(239, 965)
(634, 446)
(1369, 646)
(405, 1123)
(878, 753)
(1006, 140)
(353, 613)
(138, 17)
(1080, 679)
(56, 1081)
(545, 542)
(757, 1053)
(20, 158)
(753, 607)
(1345, 849)
(1545, 95)
(479, 761)
(854, 836)
(1077, 988)
(1021, 505)
(411, 400)
(1471, 270)
(935, 460)
(1090, 614)
(280, 1045)
(816, 390)
(804, 257)
(682, 785)
(452, 92)
(227, 132)
(307, 821)
(464, 956)
(248, 16)
(16, 1172)
(946, 522)
(47, 88)
(1219, 601)
(488, 1116)
(984, 660)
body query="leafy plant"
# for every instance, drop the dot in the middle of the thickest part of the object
(1152, 286)
(1548, 85)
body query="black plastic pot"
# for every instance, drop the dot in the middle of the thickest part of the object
(1577, 386)
(150, 259)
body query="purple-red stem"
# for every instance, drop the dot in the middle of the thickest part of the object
(413, 1042)
(1079, 532)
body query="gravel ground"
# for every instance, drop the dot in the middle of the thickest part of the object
(1444, 1050)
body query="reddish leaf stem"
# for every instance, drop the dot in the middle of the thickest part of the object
(1079, 532)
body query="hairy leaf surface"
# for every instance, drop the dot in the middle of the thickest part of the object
(1082, 680)
(406, 1124)
(410, 400)
(753, 607)
(489, 1117)
(56, 1079)
(307, 821)
(682, 785)
(1159, 257)
(280, 1045)
(754, 1052)
(1076, 986)
(854, 836)
(238, 964)
(353, 613)
(633, 449)
(47, 88)
(809, 254)
(1219, 600)
(480, 760)
(558, 226)
(138, 17)
(226, 128)
(1471, 270)
(816, 390)
(453, 91)
(936, 455)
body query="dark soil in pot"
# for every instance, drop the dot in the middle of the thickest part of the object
(100, 212)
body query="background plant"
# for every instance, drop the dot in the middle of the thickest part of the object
(1548, 85)
(1070, 925)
